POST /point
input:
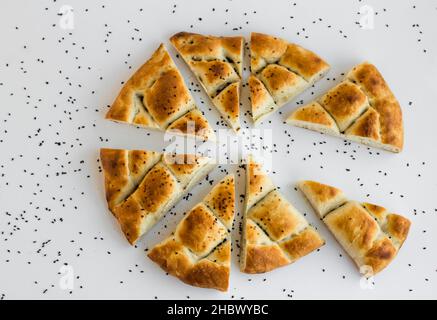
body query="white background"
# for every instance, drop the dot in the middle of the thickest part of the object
(55, 88)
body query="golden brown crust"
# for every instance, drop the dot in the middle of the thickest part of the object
(194, 46)
(175, 259)
(139, 161)
(199, 253)
(123, 170)
(141, 117)
(345, 102)
(302, 244)
(147, 201)
(392, 131)
(221, 200)
(277, 217)
(200, 231)
(259, 253)
(379, 256)
(234, 48)
(228, 103)
(116, 171)
(370, 80)
(184, 166)
(366, 126)
(214, 75)
(254, 235)
(172, 256)
(193, 123)
(397, 227)
(281, 83)
(140, 188)
(206, 274)
(265, 49)
(323, 198)
(353, 227)
(222, 253)
(167, 98)
(258, 183)
(261, 100)
(284, 70)
(155, 96)
(378, 212)
(380, 126)
(156, 188)
(314, 113)
(368, 233)
(197, 45)
(264, 258)
(270, 225)
(303, 62)
(217, 64)
(123, 108)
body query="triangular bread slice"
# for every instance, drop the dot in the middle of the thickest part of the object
(199, 251)
(217, 62)
(362, 107)
(141, 186)
(280, 71)
(156, 97)
(368, 233)
(274, 232)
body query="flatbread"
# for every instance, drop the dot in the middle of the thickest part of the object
(280, 72)
(141, 186)
(368, 233)
(274, 232)
(217, 63)
(199, 251)
(364, 110)
(156, 97)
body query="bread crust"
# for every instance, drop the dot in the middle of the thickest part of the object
(277, 217)
(369, 233)
(199, 252)
(141, 185)
(274, 232)
(364, 108)
(368, 77)
(345, 102)
(217, 63)
(156, 97)
(281, 83)
(366, 126)
(261, 100)
(283, 70)
(323, 198)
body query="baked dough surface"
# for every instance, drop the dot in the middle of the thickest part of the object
(156, 97)
(368, 233)
(280, 72)
(141, 186)
(274, 232)
(199, 251)
(217, 62)
(363, 109)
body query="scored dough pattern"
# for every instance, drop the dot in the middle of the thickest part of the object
(361, 108)
(141, 186)
(368, 233)
(217, 64)
(199, 251)
(56, 85)
(156, 97)
(275, 233)
(280, 72)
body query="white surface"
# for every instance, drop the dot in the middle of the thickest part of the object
(55, 86)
